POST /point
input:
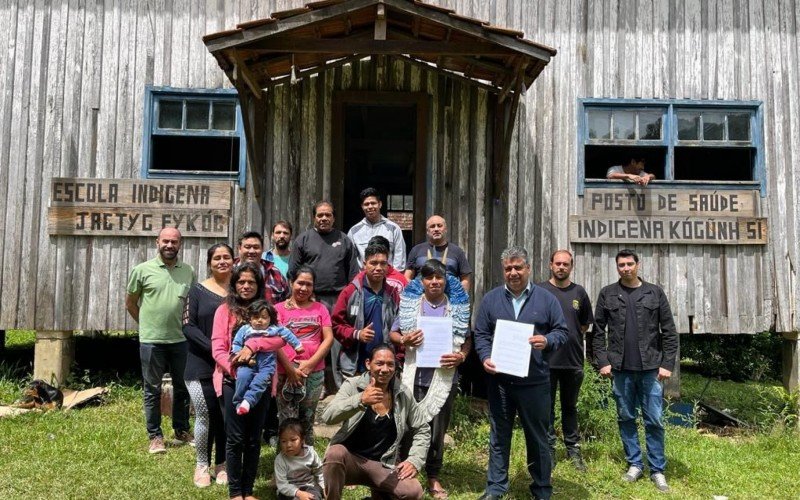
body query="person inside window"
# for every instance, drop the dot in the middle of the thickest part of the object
(633, 172)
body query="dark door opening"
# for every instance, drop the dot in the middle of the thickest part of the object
(380, 143)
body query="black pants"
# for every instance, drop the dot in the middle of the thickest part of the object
(531, 403)
(243, 448)
(567, 382)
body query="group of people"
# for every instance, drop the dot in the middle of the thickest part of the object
(346, 314)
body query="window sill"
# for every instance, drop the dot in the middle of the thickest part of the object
(674, 184)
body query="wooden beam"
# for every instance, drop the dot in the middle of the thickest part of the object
(242, 72)
(390, 47)
(380, 22)
(476, 61)
(448, 73)
(285, 25)
(509, 42)
(508, 126)
(314, 70)
(515, 77)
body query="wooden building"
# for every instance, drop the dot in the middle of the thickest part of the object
(454, 107)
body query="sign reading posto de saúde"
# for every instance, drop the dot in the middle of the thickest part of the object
(132, 207)
(653, 216)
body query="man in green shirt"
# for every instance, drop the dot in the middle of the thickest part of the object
(157, 291)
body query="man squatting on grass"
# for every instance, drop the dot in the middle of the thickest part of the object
(641, 351)
(376, 412)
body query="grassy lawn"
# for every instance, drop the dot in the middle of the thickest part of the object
(100, 452)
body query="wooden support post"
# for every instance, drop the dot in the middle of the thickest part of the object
(791, 361)
(672, 387)
(53, 356)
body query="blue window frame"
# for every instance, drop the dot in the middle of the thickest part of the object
(689, 143)
(193, 133)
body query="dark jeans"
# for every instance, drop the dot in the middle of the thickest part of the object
(439, 425)
(156, 360)
(567, 382)
(632, 391)
(243, 448)
(532, 403)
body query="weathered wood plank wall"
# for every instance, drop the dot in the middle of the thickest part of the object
(73, 75)
(681, 49)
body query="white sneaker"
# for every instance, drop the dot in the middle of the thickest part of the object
(660, 481)
(633, 474)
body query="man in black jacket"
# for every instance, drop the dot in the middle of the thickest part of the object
(640, 352)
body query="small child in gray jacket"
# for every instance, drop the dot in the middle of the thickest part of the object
(298, 468)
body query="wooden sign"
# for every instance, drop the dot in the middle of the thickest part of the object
(131, 207)
(670, 202)
(72, 192)
(666, 230)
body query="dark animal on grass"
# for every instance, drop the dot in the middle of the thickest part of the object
(40, 394)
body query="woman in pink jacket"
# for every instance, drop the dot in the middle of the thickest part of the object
(243, 431)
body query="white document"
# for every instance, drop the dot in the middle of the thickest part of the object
(437, 339)
(511, 352)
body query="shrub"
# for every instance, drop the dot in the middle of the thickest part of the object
(597, 414)
(735, 357)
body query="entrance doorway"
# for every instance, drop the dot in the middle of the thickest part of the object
(380, 141)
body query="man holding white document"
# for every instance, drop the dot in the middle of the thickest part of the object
(516, 327)
(433, 324)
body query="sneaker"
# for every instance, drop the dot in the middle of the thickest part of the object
(577, 460)
(184, 437)
(157, 445)
(660, 481)
(633, 474)
(202, 478)
(221, 474)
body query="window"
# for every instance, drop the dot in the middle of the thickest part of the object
(692, 143)
(193, 133)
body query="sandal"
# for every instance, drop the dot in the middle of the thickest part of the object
(437, 494)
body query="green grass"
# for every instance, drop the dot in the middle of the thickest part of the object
(100, 452)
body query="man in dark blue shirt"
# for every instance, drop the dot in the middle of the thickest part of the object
(523, 302)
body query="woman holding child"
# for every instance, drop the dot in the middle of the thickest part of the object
(243, 430)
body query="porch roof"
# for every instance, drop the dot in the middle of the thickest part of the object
(295, 43)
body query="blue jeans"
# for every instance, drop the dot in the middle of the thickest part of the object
(253, 382)
(156, 359)
(634, 390)
(532, 403)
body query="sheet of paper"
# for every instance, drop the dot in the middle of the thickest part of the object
(437, 340)
(511, 352)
